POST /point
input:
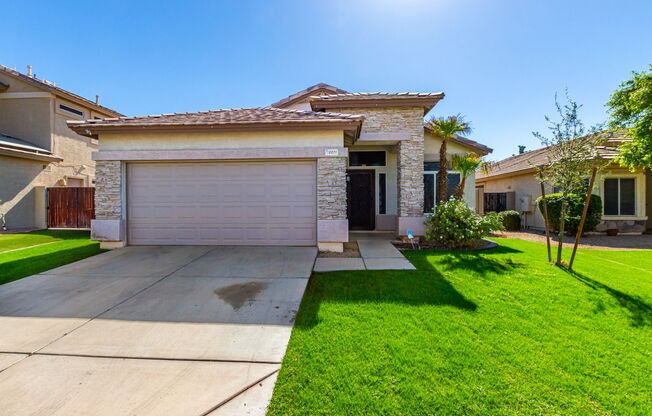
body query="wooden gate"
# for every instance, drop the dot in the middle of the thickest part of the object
(71, 207)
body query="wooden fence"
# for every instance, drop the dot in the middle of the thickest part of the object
(71, 207)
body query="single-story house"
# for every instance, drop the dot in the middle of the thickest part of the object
(511, 184)
(302, 171)
(37, 149)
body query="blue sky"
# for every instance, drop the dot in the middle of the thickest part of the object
(499, 62)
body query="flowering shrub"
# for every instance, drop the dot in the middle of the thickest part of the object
(455, 225)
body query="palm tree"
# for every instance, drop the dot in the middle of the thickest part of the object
(446, 128)
(465, 165)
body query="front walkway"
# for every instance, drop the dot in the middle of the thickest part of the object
(151, 331)
(376, 253)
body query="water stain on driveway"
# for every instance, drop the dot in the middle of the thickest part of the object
(237, 295)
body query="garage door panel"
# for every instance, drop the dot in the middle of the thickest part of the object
(257, 203)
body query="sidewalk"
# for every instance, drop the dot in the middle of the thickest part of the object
(376, 254)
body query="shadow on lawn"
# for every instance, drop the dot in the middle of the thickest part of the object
(63, 234)
(420, 287)
(640, 311)
(479, 262)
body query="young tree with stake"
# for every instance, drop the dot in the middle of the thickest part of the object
(572, 156)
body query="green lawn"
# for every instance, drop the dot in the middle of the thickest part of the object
(54, 248)
(492, 332)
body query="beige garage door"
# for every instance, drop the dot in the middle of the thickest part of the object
(222, 203)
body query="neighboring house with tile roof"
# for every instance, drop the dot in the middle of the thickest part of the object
(512, 184)
(37, 148)
(303, 171)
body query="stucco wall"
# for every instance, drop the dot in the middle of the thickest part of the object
(527, 184)
(37, 120)
(76, 152)
(28, 119)
(432, 144)
(521, 185)
(16, 85)
(217, 140)
(19, 177)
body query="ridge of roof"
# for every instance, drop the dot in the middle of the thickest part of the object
(377, 95)
(305, 93)
(426, 100)
(54, 89)
(537, 157)
(238, 115)
(266, 118)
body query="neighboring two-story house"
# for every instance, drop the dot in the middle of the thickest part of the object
(37, 148)
(303, 171)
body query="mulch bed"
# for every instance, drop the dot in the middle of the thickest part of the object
(428, 245)
(350, 250)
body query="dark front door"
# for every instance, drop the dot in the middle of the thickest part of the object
(360, 198)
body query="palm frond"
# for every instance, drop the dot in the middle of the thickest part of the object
(449, 127)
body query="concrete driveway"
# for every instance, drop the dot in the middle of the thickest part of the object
(151, 331)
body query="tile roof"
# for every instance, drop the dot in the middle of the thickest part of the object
(354, 96)
(224, 117)
(427, 100)
(306, 93)
(49, 86)
(539, 157)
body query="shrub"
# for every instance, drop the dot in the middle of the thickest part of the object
(574, 213)
(511, 220)
(455, 225)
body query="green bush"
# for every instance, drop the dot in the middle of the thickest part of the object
(455, 225)
(574, 214)
(511, 220)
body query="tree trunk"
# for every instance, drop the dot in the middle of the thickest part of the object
(459, 191)
(442, 176)
(545, 217)
(585, 211)
(562, 222)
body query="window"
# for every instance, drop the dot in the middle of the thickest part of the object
(453, 180)
(71, 110)
(430, 177)
(382, 192)
(431, 167)
(620, 196)
(428, 192)
(367, 158)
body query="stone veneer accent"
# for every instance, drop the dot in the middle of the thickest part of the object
(108, 178)
(410, 152)
(623, 226)
(331, 188)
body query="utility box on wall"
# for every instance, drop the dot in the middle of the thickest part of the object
(525, 203)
